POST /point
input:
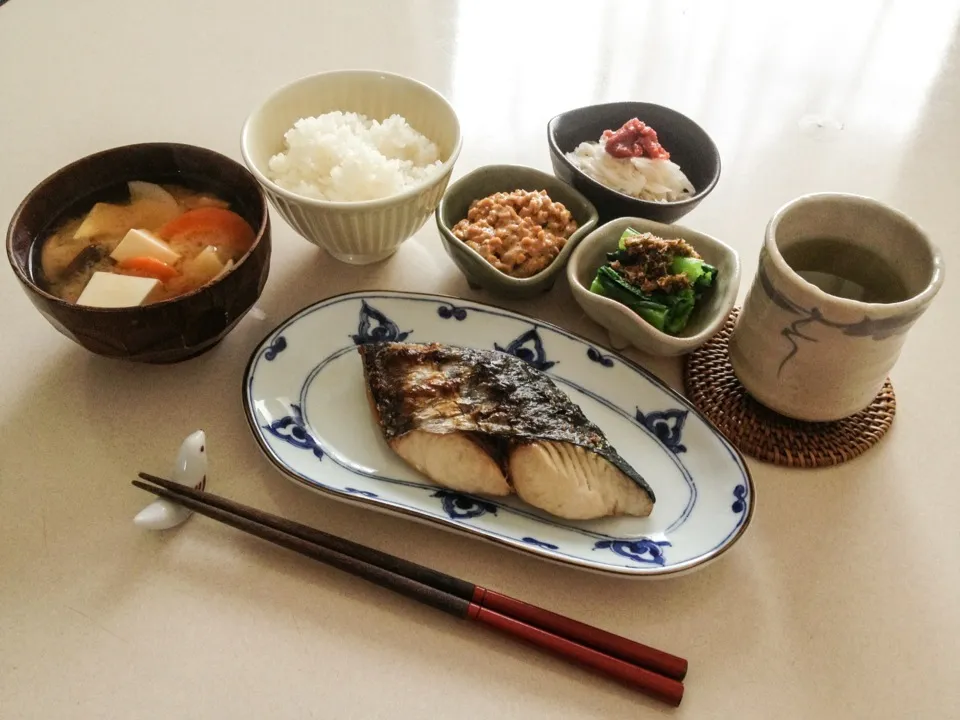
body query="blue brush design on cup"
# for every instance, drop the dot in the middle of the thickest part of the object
(841, 280)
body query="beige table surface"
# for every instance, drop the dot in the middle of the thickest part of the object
(841, 601)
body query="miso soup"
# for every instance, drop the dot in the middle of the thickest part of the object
(176, 238)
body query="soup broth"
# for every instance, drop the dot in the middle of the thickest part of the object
(844, 270)
(192, 238)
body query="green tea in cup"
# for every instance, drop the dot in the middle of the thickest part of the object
(841, 280)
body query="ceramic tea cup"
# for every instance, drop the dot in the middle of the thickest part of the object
(841, 280)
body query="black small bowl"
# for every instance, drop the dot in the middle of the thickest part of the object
(162, 332)
(688, 144)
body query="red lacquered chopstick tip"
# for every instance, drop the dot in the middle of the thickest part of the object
(620, 647)
(648, 682)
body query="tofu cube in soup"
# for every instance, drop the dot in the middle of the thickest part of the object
(142, 243)
(107, 290)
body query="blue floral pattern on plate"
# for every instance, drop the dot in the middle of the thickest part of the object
(599, 357)
(463, 507)
(740, 499)
(275, 348)
(374, 326)
(643, 550)
(449, 310)
(528, 347)
(539, 543)
(314, 400)
(666, 425)
(291, 429)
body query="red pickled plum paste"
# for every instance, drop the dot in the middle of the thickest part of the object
(634, 139)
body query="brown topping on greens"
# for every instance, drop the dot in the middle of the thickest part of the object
(649, 262)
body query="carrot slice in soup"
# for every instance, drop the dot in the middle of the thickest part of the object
(148, 267)
(210, 226)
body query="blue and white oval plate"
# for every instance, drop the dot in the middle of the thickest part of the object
(305, 399)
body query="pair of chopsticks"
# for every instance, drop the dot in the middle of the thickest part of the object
(651, 671)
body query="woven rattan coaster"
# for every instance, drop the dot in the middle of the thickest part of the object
(762, 433)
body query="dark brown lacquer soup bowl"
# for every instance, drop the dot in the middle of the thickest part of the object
(162, 332)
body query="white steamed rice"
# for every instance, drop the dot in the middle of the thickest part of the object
(347, 157)
(642, 178)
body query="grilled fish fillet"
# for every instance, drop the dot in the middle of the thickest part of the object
(483, 421)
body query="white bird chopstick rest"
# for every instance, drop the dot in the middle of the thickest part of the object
(190, 470)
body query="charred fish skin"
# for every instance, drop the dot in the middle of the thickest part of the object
(441, 388)
(417, 406)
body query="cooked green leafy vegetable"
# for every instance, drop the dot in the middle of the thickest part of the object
(660, 280)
